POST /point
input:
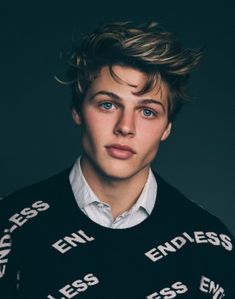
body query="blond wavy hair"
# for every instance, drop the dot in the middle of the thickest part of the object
(146, 47)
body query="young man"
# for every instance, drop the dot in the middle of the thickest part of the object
(110, 227)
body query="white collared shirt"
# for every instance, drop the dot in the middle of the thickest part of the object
(100, 212)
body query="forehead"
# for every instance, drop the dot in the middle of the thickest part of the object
(126, 82)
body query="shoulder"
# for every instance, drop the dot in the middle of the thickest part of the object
(34, 198)
(187, 212)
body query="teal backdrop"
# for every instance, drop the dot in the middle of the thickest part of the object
(37, 135)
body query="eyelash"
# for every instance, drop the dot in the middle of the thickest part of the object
(103, 103)
(153, 112)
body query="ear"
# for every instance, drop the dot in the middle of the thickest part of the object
(76, 117)
(167, 132)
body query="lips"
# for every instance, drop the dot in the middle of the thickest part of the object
(122, 147)
(120, 151)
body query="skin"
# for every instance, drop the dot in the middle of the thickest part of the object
(112, 114)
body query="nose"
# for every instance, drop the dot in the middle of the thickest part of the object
(125, 125)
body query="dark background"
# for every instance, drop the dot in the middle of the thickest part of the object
(37, 135)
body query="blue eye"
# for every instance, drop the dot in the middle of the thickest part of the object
(107, 105)
(147, 112)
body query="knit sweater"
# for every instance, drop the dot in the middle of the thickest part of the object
(50, 249)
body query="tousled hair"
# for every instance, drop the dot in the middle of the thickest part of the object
(145, 47)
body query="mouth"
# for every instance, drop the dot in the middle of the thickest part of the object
(120, 151)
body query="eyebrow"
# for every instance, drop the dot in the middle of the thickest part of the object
(116, 97)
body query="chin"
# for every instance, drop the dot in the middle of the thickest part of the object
(118, 175)
(114, 169)
(119, 171)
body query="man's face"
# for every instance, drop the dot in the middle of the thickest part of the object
(121, 132)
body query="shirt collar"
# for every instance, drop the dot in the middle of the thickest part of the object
(147, 197)
(82, 191)
(84, 195)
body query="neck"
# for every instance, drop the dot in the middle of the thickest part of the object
(120, 193)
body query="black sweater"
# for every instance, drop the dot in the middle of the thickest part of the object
(50, 249)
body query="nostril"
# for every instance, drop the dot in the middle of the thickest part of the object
(125, 131)
(125, 125)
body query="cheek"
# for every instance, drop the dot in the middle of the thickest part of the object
(95, 131)
(149, 141)
(151, 135)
